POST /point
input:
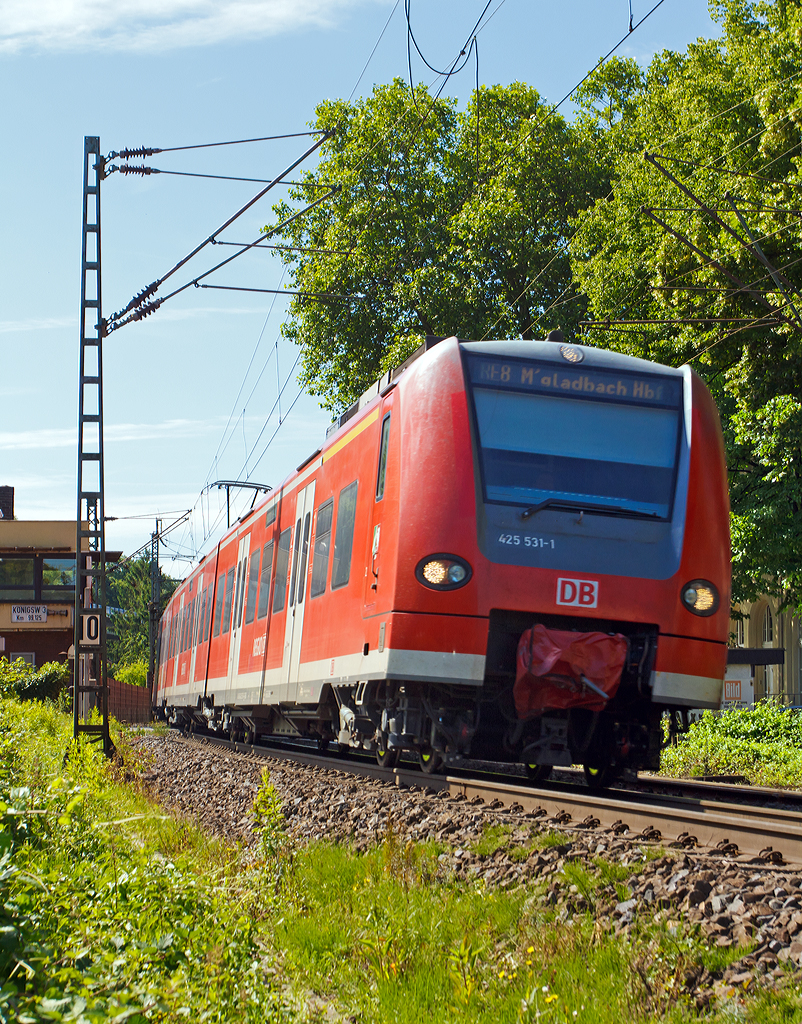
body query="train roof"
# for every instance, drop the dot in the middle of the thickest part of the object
(571, 353)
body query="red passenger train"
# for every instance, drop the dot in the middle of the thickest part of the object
(507, 550)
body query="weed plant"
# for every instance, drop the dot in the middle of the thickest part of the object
(764, 744)
(110, 909)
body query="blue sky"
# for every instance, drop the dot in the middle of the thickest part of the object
(182, 406)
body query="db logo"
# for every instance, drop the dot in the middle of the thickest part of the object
(584, 593)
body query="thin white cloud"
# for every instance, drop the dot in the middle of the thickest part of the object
(63, 437)
(154, 25)
(36, 323)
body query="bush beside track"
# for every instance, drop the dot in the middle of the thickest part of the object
(763, 744)
(112, 910)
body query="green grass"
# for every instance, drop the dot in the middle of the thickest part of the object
(113, 910)
(494, 837)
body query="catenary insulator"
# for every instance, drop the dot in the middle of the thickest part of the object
(137, 169)
(126, 154)
(146, 310)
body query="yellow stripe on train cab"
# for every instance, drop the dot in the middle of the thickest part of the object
(366, 422)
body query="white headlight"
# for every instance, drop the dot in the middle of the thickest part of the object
(443, 572)
(700, 597)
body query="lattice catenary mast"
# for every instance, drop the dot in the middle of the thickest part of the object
(90, 690)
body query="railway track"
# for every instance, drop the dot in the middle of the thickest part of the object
(704, 816)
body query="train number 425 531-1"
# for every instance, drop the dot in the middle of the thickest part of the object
(525, 541)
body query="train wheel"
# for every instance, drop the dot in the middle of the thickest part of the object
(429, 761)
(538, 772)
(322, 744)
(386, 757)
(600, 777)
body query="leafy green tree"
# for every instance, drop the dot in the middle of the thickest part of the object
(723, 120)
(129, 598)
(444, 222)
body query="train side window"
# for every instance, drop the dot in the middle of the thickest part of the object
(295, 561)
(271, 514)
(202, 597)
(190, 623)
(238, 595)
(385, 442)
(208, 619)
(253, 586)
(282, 561)
(304, 558)
(193, 610)
(320, 558)
(241, 604)
(227, 602)
(344, 537)
(264, 583)
(218, 606)
(201, 617)
(184, 620)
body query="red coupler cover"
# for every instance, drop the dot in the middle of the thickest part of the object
(552, 664)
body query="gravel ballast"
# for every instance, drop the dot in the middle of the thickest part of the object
(735, 900)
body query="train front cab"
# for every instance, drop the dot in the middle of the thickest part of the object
(582, 490)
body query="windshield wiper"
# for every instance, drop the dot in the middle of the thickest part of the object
(588, 506)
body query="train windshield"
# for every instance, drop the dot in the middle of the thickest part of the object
(551, 436)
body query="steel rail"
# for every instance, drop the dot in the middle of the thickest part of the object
(753, 829)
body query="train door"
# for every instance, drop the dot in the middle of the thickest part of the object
(194, 636)
(296, 599)
(236, 611)
(177, 653)
(372, 570)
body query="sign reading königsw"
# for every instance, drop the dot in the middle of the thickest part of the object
(29, 613)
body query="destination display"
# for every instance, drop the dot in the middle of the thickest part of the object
(550, 379)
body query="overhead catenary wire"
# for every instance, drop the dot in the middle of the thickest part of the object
(285, 248)
(242, 385)
(373, 51)
(151, 289)
(208, 529)
(214, 240)
(732, 149)
(141, 151)
(137, 169)
(145, 310)
(553, 108)
(279, 248)
(515, 146)
(710, 261)
(272, 436)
